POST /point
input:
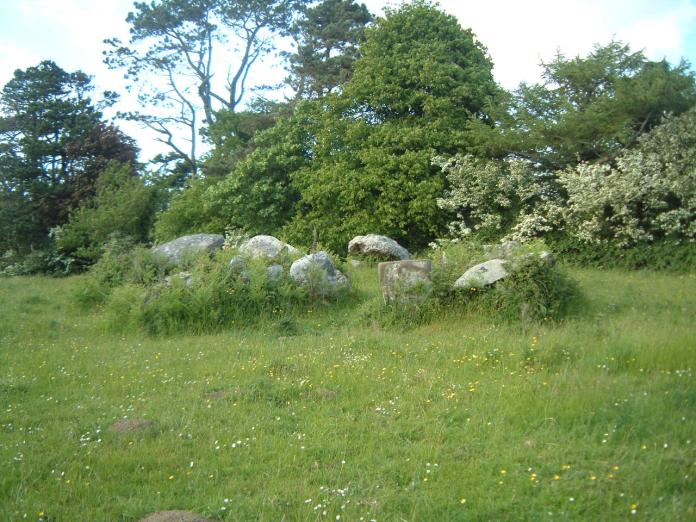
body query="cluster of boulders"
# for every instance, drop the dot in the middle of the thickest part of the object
(315, 270)
(401, 278)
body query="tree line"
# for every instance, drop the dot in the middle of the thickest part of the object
(395, 125)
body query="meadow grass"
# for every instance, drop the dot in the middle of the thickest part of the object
(328, 415)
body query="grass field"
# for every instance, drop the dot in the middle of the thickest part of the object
(460, 419)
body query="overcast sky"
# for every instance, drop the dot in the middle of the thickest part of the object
(517, 33)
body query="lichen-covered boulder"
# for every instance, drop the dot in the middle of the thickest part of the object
(483, 274)
(313, 266)
(267, 247)
(405, 281)
(317, 272)
(177, 250)
(378, 247)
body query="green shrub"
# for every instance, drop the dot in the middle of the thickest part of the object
(123, 205)
(121, 263)
(534, 291)
(48, 261)
(673, 256)
(187, 214)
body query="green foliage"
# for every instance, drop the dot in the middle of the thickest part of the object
(360, 161)
(48, 260)
(490, 197)
(232, 134)
(121, 263)
(637, 211)
(663, 255)
(53, 145)
(588, 108)
(258, 195)
(419, 79)
(187, 214)
(124, 204)
(648, 196)
(535, 289)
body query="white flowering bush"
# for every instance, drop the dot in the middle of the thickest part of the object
(646, 195)
(649, 195)
(491, 197)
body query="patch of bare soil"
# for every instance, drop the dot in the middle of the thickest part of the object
(128, 425)
(175, 516)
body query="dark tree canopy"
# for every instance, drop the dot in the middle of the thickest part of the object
(53, 144)
(327, 39)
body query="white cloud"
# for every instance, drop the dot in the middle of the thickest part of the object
(663, 35)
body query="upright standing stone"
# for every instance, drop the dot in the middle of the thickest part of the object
(406, 281)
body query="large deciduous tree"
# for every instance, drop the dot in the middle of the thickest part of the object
(181, 42)
(53, 144)
(420, 78)
(359, 161)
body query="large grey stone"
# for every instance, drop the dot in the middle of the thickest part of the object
(379, 247)
(267, 247)
(483, 274)
(178, 249)
(405, 281)
(313, 267)
(317, 272)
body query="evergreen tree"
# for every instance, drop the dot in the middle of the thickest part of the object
(327, 39)
(53, 143)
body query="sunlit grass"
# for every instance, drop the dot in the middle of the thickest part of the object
(461, 419)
